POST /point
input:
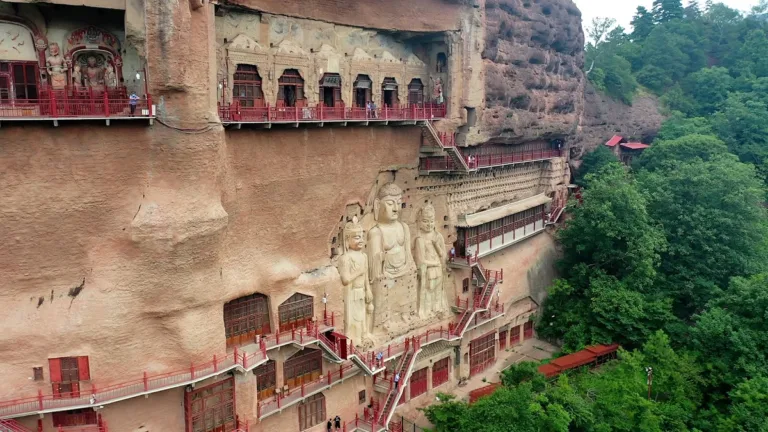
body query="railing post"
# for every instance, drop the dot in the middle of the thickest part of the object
(329, 377)
(258, 410)
(293, 333)
(302, 389)
(192, 370)
(215, 364)
(146, 381)
(245, 361)
(321, 110)
(296, 112)
(149, 105)
(106, 103)
(53, 108)
(40, 399)
(277, 337)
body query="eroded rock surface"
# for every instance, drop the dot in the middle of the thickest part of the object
(533, 60)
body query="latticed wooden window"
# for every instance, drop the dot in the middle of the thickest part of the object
(296, 311)
(305, 366)
(415, 92)
(266, 379)
(80, 417)
(290, 89)
(312, 411)
(246, 317)
(514, 335)
(482, 353)
(247, 86)
(211, 408)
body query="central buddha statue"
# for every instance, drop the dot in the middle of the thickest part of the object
(389, 241)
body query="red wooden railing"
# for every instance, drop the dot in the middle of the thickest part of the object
(71, 103)
(446, 163)
(235, 113)
(149, 382)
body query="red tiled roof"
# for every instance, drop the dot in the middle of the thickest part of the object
(549, 370)
(635, 146)
(574, 360)
(614, 140)
(600, 350)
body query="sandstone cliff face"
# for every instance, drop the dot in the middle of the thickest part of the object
(533, 60)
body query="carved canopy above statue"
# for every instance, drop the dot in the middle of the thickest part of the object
(92, 38)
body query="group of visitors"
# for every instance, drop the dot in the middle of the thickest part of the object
(334, 423)
(371, 109)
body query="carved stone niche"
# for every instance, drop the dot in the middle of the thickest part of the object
(244, 50)
(196, 4)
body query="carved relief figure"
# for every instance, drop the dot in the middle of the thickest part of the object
(353, 269)
(56, 67)
(77, 77)
(437, 90)
(94, 75)
(389, 253)
(430, 255)
(110, 78)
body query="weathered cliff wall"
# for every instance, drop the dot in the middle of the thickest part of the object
(533, 60)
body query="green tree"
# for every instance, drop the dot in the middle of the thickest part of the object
(642, 24)
(611, 231)
(743, 125)
(524, 372)
(733, 332)
(668, 154)
(753, 56)
(692, 11)
(593, 162)
(667, 10)
(749, 407)
(678, 126)
(713, 220)
(709, 89)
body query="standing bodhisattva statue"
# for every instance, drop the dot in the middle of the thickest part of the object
(430, 254)
(353, 269)
(389, 242)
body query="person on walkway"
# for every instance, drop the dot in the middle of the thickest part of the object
(337, 420)
(133, 101)
(380, 358)
(329, 426)
(397, 380)
(453, 253)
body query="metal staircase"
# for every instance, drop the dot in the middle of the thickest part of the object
(9, 425)
(437, 139)
(395, 393)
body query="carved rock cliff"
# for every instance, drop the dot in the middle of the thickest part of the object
(533, 58)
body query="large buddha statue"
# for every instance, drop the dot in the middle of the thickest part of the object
(430, 254)
(389, 252)
(353, 269)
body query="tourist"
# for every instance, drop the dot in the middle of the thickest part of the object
(380, 358)
(337, 420)
(373, 109)
(133, 101)
(453, 253)
(397, 380)
(329, 426)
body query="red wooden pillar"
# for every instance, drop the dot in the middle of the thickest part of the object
(106, 104)
(146, 381)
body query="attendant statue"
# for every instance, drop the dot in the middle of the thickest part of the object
(353, 269)
(437, 90)
(389, 252)
(110, 78)
(430, 255)
(77, 77)
(94, 75)
(57, 67)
